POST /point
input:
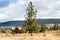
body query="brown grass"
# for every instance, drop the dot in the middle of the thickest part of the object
(49, 35)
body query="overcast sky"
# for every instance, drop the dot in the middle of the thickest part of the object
(16, 9)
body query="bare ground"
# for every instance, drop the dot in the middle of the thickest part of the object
(48, 35)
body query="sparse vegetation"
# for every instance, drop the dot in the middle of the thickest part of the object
(55, 27)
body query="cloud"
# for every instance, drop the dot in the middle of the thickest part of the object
(3, 16)
(50, 7)
(16, 9)
(5, 3)
(13, 11)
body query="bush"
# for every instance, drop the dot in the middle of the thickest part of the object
(34, 28)
(2, 31)
(16, 30)
(55, 27)
(43, 28)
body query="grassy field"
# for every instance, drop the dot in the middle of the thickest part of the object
(49, 35)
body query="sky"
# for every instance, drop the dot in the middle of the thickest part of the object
(16, 9)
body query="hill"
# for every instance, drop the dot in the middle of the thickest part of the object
(39, 21)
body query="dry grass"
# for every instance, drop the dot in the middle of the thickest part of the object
(54, 35)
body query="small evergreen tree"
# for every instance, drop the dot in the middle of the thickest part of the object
(30, 22)
(50, 28)
(55, 27)
(16, 30)
(43, 28)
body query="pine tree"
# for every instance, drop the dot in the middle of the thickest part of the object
(30, 21)
(43, 28)
(55, 27)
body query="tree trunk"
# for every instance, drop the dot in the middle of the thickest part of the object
(30, 31)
